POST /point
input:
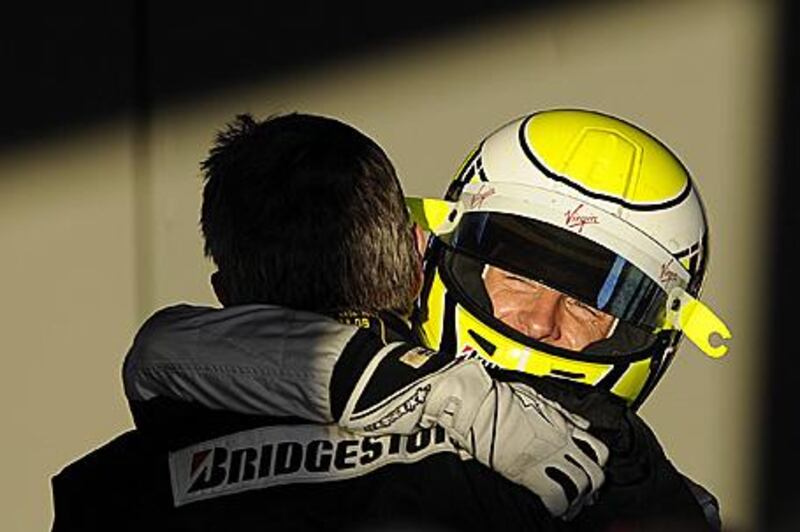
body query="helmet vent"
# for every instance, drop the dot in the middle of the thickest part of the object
(485, 344)
(567, 374)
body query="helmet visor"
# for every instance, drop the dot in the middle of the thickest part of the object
(562, 261)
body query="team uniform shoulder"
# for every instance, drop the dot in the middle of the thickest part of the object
(375, 370)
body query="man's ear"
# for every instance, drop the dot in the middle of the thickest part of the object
(219, 288)
(420, 239)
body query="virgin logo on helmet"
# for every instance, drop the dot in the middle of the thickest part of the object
(574, 218)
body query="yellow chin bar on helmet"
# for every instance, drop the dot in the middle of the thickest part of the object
(474, 337)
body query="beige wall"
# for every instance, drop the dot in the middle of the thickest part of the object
(694, 73)
(67, 271)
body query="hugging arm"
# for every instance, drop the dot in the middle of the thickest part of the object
(276, 362)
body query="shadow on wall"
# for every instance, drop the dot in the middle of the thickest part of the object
(77, 67)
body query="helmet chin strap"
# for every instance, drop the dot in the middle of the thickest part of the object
(698, 322)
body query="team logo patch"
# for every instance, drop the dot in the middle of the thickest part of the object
(359, 320)
(416, 357)
(273, 456)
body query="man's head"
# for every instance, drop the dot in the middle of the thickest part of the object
(306, 212)
(572, 244)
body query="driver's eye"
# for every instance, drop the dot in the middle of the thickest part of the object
(527, 283)
(574, 303)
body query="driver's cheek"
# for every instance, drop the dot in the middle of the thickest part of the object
(577, 332)
(510, 308)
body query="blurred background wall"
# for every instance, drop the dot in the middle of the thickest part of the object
(112, 110)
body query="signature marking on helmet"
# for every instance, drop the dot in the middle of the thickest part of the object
(483, 193)
(668, 275)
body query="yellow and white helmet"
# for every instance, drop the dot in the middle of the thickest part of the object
(585, 204)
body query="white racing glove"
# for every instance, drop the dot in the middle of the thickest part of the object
(506, 426)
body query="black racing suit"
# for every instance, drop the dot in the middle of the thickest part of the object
(192, 465)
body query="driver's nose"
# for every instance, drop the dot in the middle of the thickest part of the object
(539, 319)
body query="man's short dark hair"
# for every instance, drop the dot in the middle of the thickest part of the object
(307, 212)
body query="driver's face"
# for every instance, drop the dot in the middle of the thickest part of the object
(543, 313)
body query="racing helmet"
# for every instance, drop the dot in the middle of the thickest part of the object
(587, 206)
